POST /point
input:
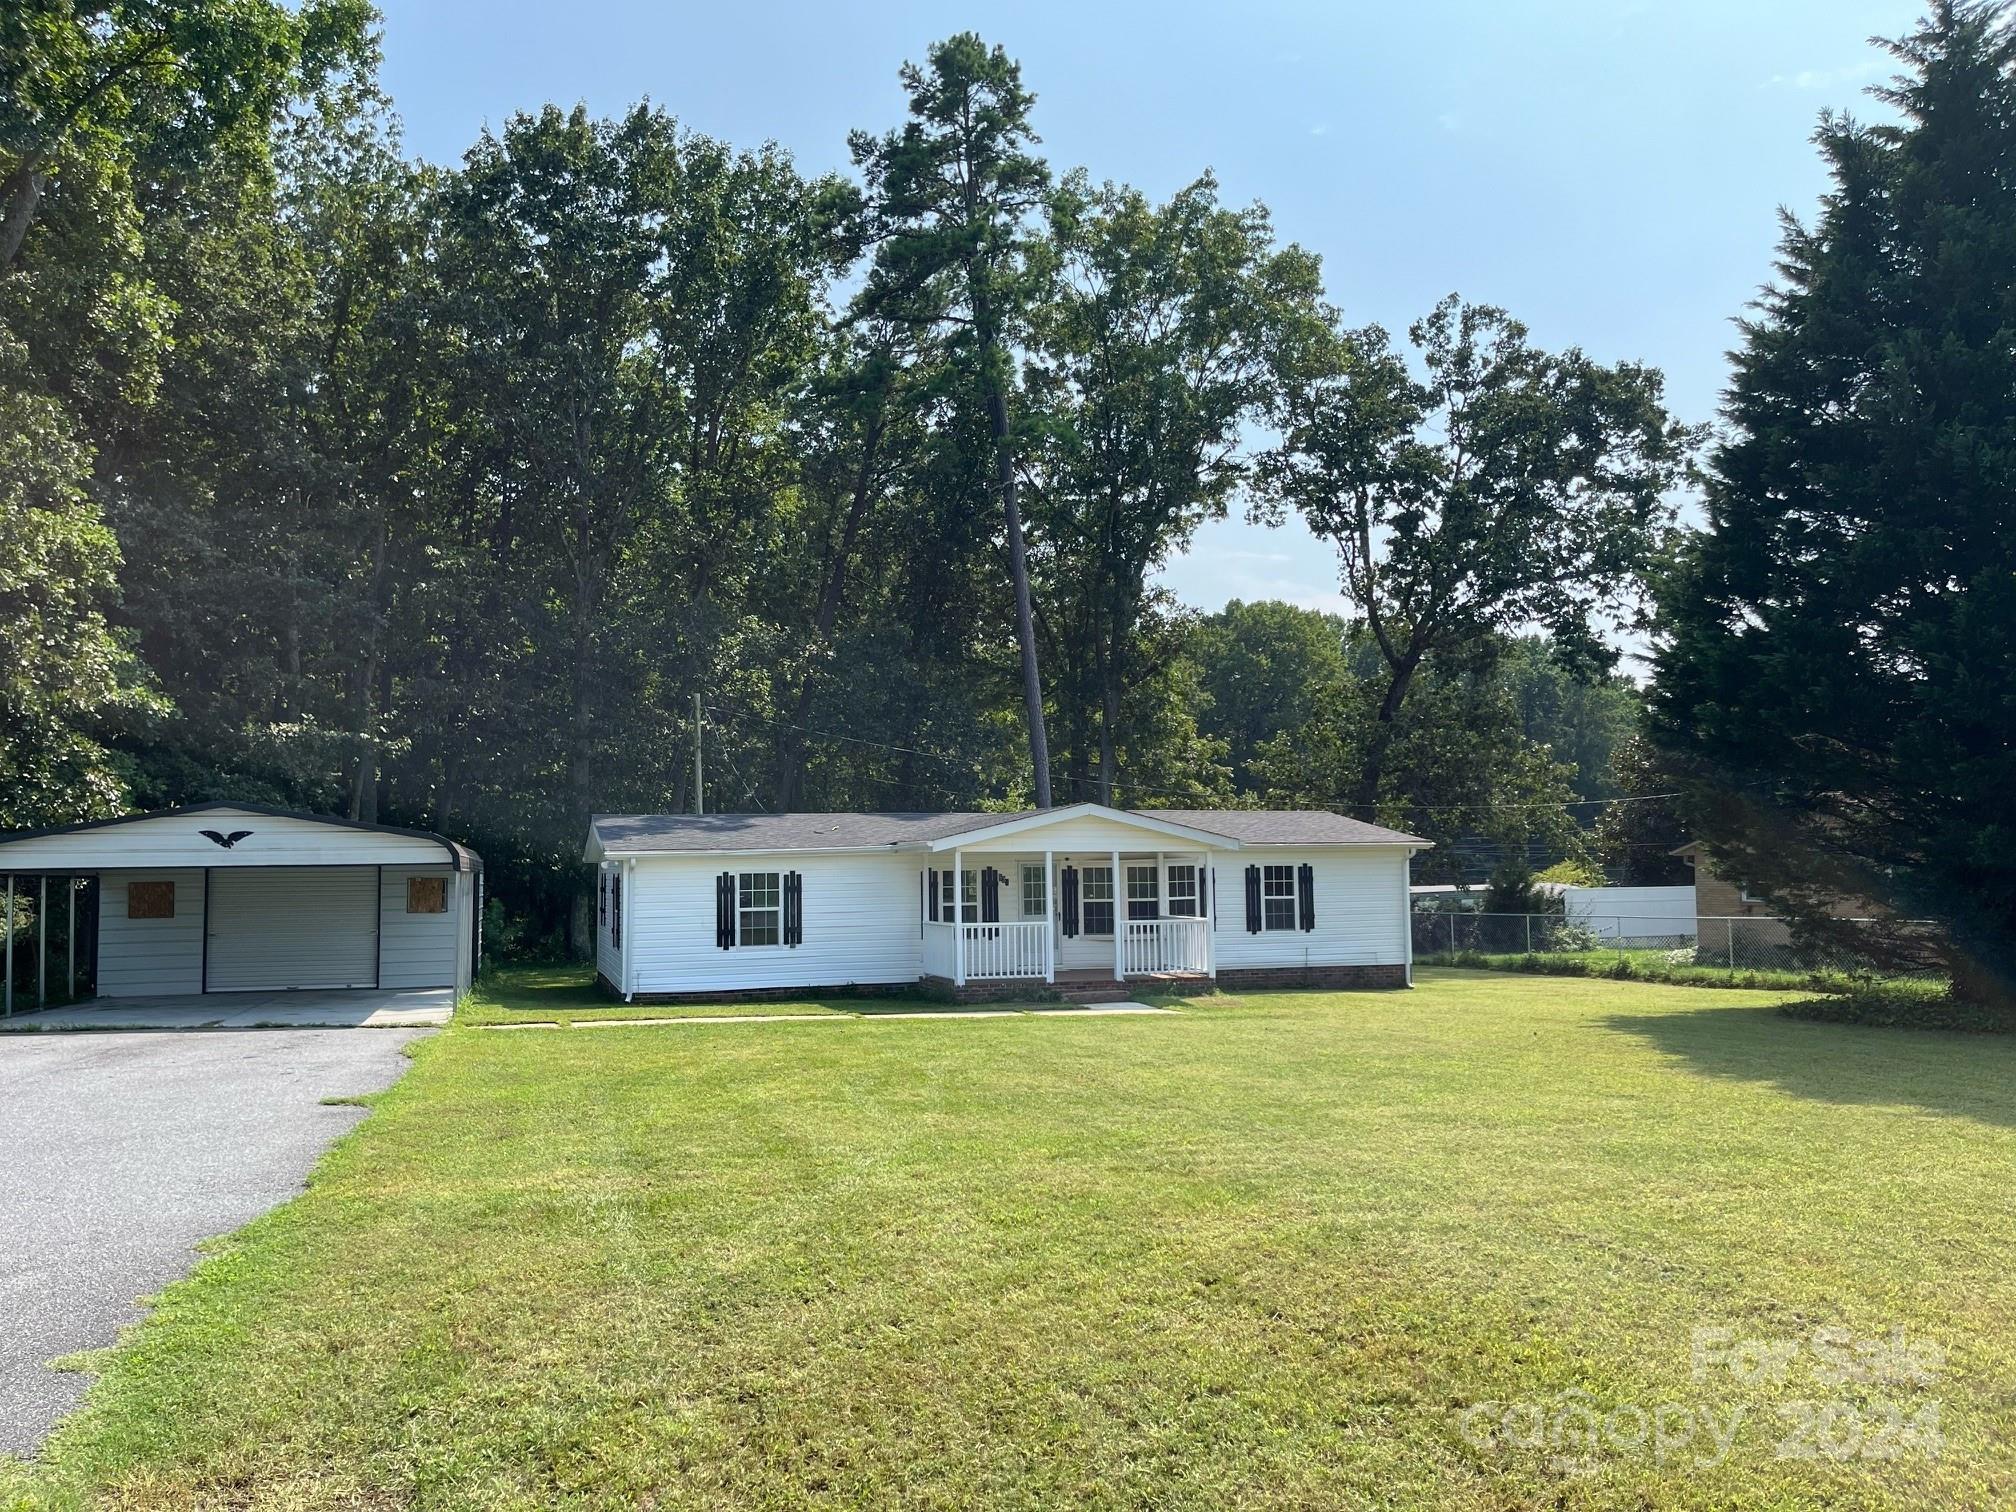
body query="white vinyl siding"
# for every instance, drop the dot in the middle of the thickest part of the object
(1361, 909)
(150, 957)
(277, 928)
(417, 950)
(860, 925)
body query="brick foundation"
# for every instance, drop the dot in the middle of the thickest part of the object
(1347, 978)
(942, 990)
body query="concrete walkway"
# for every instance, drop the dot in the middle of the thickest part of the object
(418, 1008)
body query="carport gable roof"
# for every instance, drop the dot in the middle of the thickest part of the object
(80, 847)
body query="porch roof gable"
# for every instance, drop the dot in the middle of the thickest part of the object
(1011, 825)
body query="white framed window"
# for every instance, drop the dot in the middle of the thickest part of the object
(1035, 891)
(1144, 891)
(1095, 889)
(1183, 891)
(970, 890)
(1277, 897)
(759, 908)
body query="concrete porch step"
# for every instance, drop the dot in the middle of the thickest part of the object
(1077, 989)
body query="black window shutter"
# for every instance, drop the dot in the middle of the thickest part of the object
(1068, 901)
(724, 910)
(1305, 894)
(933, 875)
(794, 908)
(990, 896)
(1252, 900)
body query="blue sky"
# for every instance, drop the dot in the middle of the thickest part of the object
(1608, 170)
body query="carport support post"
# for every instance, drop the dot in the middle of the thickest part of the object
(7, 1007)
(70, 934)
(42, 945)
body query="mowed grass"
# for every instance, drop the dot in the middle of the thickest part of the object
(567, 995)
(1267, 1252)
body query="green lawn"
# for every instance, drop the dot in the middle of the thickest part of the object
(1272, 1251)
(564, 995)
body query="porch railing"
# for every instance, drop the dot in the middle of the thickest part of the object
(1007, 950)
(1153, 946)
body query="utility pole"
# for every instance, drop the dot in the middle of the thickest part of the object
(699, 771)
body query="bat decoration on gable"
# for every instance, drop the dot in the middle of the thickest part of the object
(227, 841)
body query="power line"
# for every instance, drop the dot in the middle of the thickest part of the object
(968, 763)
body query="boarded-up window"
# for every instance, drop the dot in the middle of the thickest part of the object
(150, 900)
(426, 895)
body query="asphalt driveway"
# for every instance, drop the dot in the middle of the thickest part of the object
(118, 1152)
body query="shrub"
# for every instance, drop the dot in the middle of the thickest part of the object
(1902, 1004)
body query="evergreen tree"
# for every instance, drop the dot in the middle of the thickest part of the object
(1837, 676)
(951, 194)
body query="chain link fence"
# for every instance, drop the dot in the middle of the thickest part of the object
(1735, 944)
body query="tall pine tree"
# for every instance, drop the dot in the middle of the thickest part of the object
(1837, 679)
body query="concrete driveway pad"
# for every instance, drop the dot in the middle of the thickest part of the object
(415, 1008)
(119, 1152)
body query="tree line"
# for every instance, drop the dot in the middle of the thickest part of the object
(436, 494)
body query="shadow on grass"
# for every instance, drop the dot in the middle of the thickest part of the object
(542, 989)
(1941, 1072)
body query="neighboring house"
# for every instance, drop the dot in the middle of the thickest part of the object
(981, 905)
(1717, 896)
(1718, 899)
(233, 897)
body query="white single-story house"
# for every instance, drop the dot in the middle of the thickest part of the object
(991, 904)
(233, 897)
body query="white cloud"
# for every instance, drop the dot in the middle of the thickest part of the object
(1321, 128)
(1826, 78)
(1449, 120)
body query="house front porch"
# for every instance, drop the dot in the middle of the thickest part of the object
(1079, 922)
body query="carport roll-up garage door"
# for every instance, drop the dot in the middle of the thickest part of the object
(292, 926)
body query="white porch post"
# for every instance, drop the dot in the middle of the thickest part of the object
(1049, 924)
(7, 1007)
(42, 944)
(958, 921)
(70, 936)
(1119, 922)
(1204, 912)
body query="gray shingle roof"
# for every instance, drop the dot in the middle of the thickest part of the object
(657, 834)
(1286, 827)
